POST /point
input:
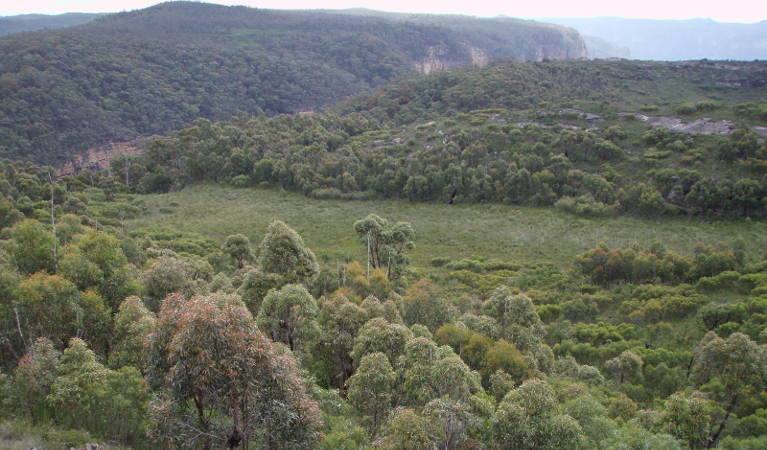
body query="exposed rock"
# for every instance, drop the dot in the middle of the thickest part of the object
(761, 131)
(676, 195)
(478, 57)
(89, 446)
(543, 125)
(436, 60)
(587, 116)
(99, 158)
(699, 126)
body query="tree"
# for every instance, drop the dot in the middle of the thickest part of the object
(424, 303)
(165, 276)
(516, 317)
(49, 306)
(289, 316)
(370, 389)
(690, 416)
(527, 419)
(282, 251)
(339, 322)
(33, 378)
(407, 430)
(625, 365)
(238, 247)
(455, 419)
(75, 393)
(133, 324)
(224, 381)
(386, 243)
(417, 369)
(31, 247)
(737, 366)
(378, 335)
(503, 355)
(255, 285)
(89, 396)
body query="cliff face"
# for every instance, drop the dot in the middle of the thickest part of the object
(438, 58)
(99, 158)
(553, 43)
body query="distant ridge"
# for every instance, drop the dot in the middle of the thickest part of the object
(676, 39)
(34, 22)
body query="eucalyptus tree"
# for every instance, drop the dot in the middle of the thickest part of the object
(282, 251)
(386, 243)
(223, 383)
(738, 368)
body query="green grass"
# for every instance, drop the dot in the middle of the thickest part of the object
(510, 233)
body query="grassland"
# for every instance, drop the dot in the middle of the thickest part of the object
(510, 233)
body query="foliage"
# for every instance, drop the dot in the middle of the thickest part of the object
(282, 251)
(244, 388)
(386, 243)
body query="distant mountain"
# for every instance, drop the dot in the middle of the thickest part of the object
(138, 73)
(34, 22)
(677, 39)
(598, 48)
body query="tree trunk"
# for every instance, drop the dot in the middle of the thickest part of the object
(712, 441)
(235, 437)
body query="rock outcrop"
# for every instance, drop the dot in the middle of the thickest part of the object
(99, 158)
(699, 126)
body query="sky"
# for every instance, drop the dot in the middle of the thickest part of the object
(730, 11)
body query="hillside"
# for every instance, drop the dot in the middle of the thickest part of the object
(34, 22)
(593, 138)
(150, 71)
(671, 40)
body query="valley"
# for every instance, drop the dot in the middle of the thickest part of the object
(233, 227)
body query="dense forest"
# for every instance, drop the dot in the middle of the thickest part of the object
(552, 133)
(155, 70)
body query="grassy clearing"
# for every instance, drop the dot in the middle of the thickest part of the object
(512, 233)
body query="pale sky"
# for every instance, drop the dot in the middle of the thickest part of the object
(727, 11)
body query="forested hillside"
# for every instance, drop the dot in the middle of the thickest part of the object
(593, 138)
(155, 70)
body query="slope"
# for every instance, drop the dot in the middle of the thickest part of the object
(150, 71)
(591, 137)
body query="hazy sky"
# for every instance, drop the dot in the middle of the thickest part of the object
(728, 11)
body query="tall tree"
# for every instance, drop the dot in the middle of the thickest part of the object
(238, 247)
(386, 243)
(737, 364)
(289, 316)
(225, 383)
(133, 323)
(282, 251)
(339, 320)
(370, 389)
(517, 318)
